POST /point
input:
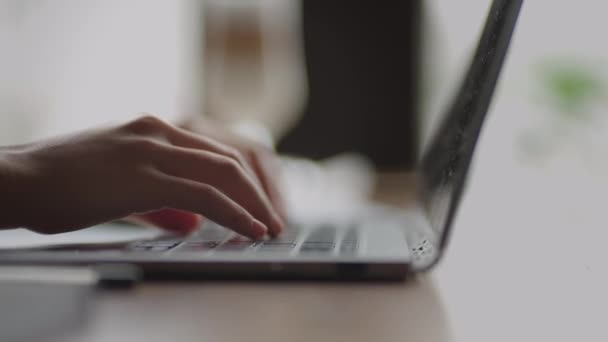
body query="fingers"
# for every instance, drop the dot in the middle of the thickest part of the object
(183, 138)
(203, 160)
(266, 168)
(224, 174)
(261, 162)
(208, 201)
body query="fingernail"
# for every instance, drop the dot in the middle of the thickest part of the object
(259, 229)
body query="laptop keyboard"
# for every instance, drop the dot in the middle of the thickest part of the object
(323, 239)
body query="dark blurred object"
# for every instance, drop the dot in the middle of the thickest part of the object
(362, 67)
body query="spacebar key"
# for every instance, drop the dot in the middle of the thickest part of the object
(308, 247)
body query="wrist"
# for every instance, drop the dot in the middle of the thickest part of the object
(13, 178)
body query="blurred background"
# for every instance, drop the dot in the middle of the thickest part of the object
(319, 79)
(322, 79)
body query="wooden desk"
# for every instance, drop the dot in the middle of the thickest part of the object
(271, 312)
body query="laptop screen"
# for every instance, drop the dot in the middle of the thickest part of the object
(448, 157)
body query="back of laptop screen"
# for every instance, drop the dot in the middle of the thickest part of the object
(446, 162)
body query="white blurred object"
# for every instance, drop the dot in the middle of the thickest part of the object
(253, 63)
(333, 190)
(254, 131)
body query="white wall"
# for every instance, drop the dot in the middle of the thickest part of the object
(87, 62)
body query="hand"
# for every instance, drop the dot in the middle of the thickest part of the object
(258, 159)
(73, 182)
(261, 160)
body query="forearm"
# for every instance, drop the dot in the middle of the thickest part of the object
(11, 191)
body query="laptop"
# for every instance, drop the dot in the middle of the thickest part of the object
(380, 242)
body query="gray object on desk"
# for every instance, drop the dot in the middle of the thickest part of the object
(43, 304)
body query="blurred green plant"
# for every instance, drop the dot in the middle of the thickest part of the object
(570, 87)
(570, 93)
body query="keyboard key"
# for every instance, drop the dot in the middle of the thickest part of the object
(270, 246)
(283, 240)
(201, 246)
(159, 248)
(153, 245)
(235, 246)
(323, 234)
(350, 237)
(348, 248)
(288, 236)
(309, 247)
(277, 242)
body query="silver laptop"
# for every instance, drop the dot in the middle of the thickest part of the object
(379, 242)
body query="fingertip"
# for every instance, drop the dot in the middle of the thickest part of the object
(278, 225)
(258, 230)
